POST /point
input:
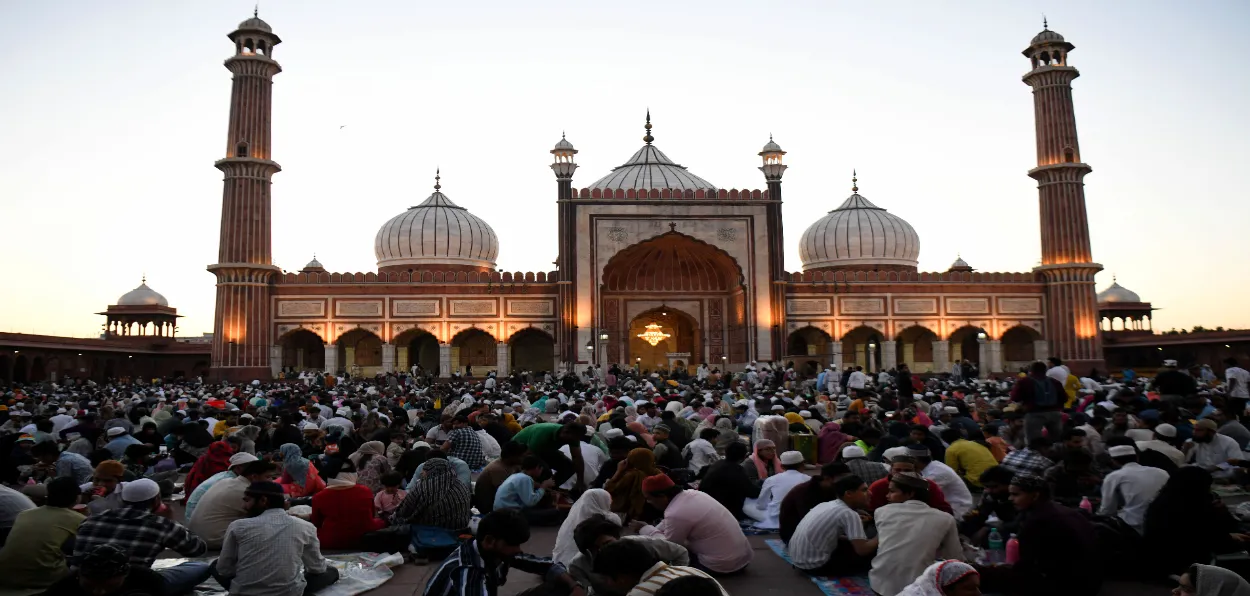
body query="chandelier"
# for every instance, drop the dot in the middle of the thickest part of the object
(653, 335)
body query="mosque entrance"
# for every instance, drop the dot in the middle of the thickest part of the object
(672, 301)
(302, 350)
(416, 346)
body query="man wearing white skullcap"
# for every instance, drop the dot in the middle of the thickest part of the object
(1128, 491)
(767, 508)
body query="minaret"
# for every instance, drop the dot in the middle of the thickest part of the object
(242, 331)
(564, 166)
(773, 169)
(1067, 266)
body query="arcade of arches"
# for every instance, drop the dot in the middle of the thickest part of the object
(919, 347)
(655, 274)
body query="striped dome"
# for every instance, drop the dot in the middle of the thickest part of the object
(859, 233)
(436, 232)
(650, 168)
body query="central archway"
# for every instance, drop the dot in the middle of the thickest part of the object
(674, 268)
(476, 349)
(302, 350)
(683, 339)
(360, 352)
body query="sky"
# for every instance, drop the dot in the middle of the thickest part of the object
(112, 114)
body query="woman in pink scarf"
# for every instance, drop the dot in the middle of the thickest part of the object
(831, 441)
(637, 428)
(763, 463)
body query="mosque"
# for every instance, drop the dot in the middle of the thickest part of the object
(657, 267)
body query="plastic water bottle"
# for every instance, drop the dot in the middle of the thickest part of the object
(1013, 550)
(995, 547)
(1086, 505)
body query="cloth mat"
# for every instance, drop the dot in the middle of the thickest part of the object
(751, 530)
(854, 585)
(358, 572)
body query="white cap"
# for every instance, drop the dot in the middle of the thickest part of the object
(1165, 430)
(420, 444)
(613, 433)
(778, 408)
(241, 458)
(853, 451)
(1121, 451)
(791, 458)
(116, 431)
(950, 410)
(140, 490)
(893, 452)
(805, 413)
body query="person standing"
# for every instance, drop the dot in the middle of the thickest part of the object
(1237, 380)
(262, 555)
(1042, 397)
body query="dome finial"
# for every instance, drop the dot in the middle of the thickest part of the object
(854, 181)
(144, 281)
(647, 137)
(256, 11)
(1045, 25)
(437, 185)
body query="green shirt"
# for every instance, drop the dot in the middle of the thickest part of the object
(32, 556)
(540, 437)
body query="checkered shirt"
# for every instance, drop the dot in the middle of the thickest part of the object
(139, 532)
(1027, 461)
(466, 445)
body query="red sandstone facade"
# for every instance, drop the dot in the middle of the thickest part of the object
(649, 243)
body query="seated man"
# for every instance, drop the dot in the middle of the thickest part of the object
(264, 553)
(223, 504)
(766, 509)
(910, 535)
(831, 539)
(953, 488)
(598, 531)
(628, 567)
(967, 458)
(143, 535)
(524, 492)
(495, 473)
(727, 482)
(103, 494)
(1128, 491)
(237, 462)
(106, 571)
(994, 501)
(696, 521)
(807, 496)
(879, 491)
(33, 555)
(480, 566)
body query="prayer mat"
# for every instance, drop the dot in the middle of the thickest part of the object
(358, 573)
(853, 585)
(751, 530)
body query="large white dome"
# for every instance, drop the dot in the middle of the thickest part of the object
(436, 232)
(142, 296)
(859, 233)
(649, 168)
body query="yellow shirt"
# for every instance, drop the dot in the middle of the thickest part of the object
(969, 460)
(1071, 386)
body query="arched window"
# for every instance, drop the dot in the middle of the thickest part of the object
(240, 150)
(260, 47)
(1069, 156)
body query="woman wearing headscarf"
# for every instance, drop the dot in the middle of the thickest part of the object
(299, 477)
(831, 441)
(626, 485)
(371, 464)
(1209, 580)
(1206, 528)
(640, 431)
(344, 511)
(946, 578)
(215, 459)
(595, 501)
(438, 499)
(763, 462)
(247, 436)
(727, 434)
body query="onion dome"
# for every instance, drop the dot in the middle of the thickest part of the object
(255, 24)
(859, 233)
(650, 168)
(960, 265)
(313, 266)
(771, 147)
(563, 145)
(1046, 36)
(142, 296)
(436, 232)
(1118, 293)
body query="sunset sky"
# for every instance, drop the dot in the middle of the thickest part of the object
(112, 114)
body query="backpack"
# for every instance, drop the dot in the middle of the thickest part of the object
(1044, 394)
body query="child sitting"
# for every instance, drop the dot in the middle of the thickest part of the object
(391, 495)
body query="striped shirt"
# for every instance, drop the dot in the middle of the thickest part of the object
(662, 573)
(816, 537)
(269, 554)
(466, 573)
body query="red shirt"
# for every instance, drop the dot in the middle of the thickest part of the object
(879, 489)
(343, 516)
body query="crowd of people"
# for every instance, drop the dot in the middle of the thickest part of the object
(1036, 483)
